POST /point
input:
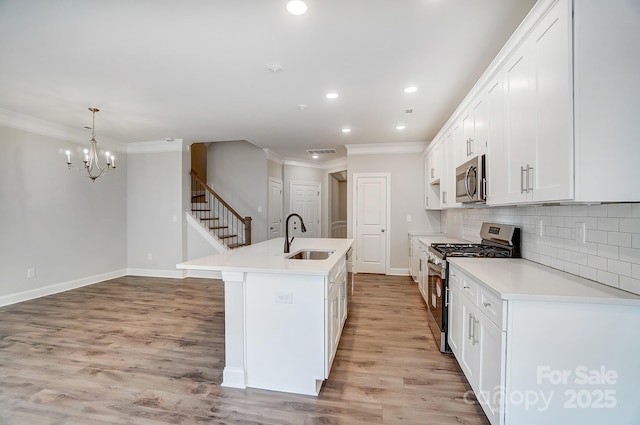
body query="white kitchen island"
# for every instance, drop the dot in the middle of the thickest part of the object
(283, 317)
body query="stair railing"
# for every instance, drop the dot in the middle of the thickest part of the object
(217, 215)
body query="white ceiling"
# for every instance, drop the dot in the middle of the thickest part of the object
(197, 69)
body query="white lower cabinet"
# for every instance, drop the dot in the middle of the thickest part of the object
(336, 311)
(477, 342)
(542, 359)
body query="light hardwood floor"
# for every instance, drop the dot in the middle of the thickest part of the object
(151, 351)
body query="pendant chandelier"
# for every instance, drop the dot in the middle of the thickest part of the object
(91, 161)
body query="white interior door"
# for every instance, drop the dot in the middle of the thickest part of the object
(305, 200)
(275, 208)
(371, 222)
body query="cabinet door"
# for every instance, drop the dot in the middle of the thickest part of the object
(474, 130)
(431, 190)
(497, 158)
(551, 176)
(448, 170)
(469, 359)
(456, 317)
(490, 341)
(519, 126)
(467, 128)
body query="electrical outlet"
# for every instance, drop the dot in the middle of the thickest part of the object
(259, 208)
(174, 218)
(284, 297)
(408, 217)
(31, 273)
(149, 257)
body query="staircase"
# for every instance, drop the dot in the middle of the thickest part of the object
(215, 215)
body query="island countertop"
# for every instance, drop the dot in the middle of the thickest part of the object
(269, 257)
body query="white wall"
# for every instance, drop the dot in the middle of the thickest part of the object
(238, 172)
(610, 254)
(155, 208)
(302, 173)
(407, 198)
(71, 230)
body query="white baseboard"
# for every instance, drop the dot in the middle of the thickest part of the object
(59, 287)
(398, 272)
(234, 377)
(171, 274)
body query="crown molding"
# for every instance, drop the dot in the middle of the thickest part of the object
(46, 128)
(157, 146)
(385, 148)
(272, 156)
(329, 165)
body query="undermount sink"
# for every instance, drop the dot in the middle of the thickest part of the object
(306, 254)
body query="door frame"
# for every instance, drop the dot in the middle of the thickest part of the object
(354, 217)
(318, 186)
(281, 199)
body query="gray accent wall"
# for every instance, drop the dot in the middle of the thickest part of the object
(155, 208)
(237, 170)
(407, 198)
(71, 230)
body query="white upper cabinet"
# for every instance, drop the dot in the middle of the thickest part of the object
(607, 100)
(432, 167)
(448, 176)
(556, 109)
(532, 160)
(474, 130)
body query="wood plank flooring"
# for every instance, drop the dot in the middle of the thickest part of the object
(151, 351)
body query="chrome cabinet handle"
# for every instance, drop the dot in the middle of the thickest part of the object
(529, 187)
(486, 304)
(470, 326)
(470, 147)
(522, 171)
(475, 323)
(432, 172)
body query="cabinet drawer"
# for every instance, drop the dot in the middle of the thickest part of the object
(469, 287)
(491, 305)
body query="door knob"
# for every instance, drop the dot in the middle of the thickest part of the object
(382, 230)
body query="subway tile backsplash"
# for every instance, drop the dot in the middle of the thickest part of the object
(598, 242)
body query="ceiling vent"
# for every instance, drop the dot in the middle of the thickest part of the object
(320, 151)
(408, 111)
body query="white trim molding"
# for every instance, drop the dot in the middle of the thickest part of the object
(61, 132)
(59, 287)
(334, 164)
(385, 148)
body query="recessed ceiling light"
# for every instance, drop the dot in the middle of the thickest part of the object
(296, 7)
(346, 130)
(302, 106)
(274, 68)
(331, 95)
(315, 156)
(400, 127)
(410, 89)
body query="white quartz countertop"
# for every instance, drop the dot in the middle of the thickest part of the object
(520, 279)
(438, 238)
(269, 257)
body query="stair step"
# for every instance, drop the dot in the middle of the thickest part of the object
(227, 236)
(209, 218)
(236, 245)
(218, 227)
(201, 210)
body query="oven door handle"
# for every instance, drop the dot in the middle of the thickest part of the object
(446, 297)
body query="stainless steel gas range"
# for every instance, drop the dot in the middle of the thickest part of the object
(498, 241)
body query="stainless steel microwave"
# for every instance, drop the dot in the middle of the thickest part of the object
(471, 181)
